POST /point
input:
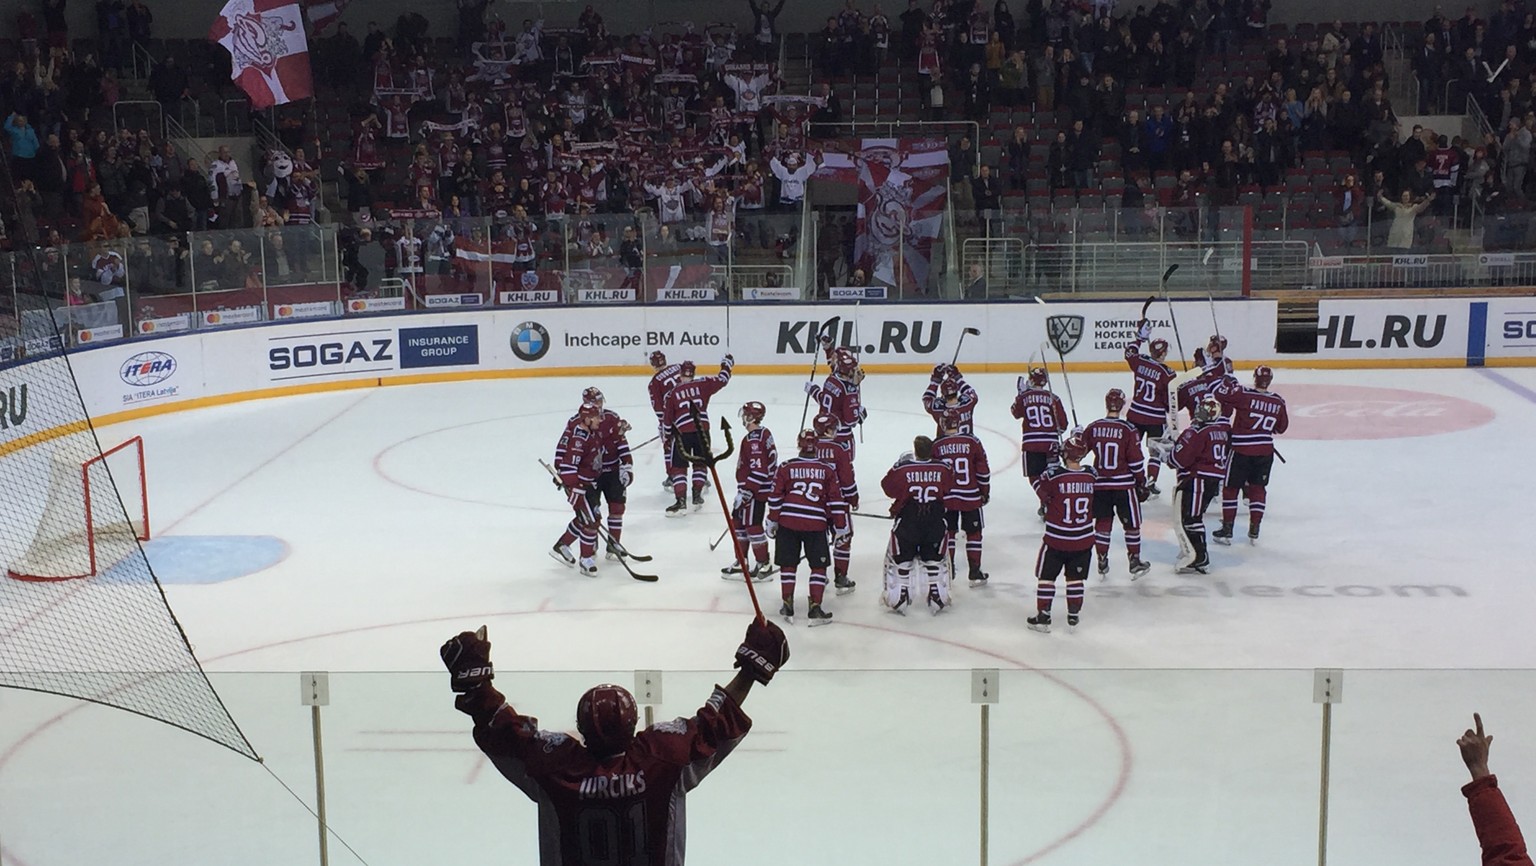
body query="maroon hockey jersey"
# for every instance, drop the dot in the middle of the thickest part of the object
(757, 461)
(1204, 450)
(1149, 394)
(690, 398)
(1257, 417)
(965, 457)
(661, 383)
(1068, 498)
(919, 488)
(627, 809)
(1117, 459)
(836, 456)
(1042, 417)
(807, 496)
(935, 406)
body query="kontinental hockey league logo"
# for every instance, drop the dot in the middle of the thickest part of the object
(530, 341)
(1065, 332)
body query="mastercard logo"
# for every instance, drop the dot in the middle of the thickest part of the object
(358, 306)
(85, 336)
(146, 327)
(212, 318)
(284, 311)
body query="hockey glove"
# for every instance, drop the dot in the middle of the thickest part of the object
(1144, 330)
(467, 657)
(938, 373)
(626, 475)
(863, 414)
(763, 651)
(1023, 384)
(810, 387)
(770, 527)
(825, 340)
(1142, 493)
(742, 499)
(728, 361)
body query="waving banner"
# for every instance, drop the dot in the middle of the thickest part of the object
(903, 188)
(266, 44)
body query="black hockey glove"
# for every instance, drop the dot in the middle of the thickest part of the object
(763, 651)
(467, 657)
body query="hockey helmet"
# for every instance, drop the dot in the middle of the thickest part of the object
(1209, 409)
(844, 362)
(806, 443)
(658, 359)
(592, 395)
(824, 425)
(1159, 349)
(1038, 377)
(686, 369)
(752, 412)
(1074, 449)
(1114, 400)
(950, 420)
(1262, 376)
(606, 718)
(589, 414)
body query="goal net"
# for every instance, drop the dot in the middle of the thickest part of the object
(81, 611)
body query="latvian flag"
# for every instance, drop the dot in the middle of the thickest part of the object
(265, 40)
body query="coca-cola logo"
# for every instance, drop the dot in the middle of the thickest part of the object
(1353, 412)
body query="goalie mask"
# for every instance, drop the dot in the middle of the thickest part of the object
(1208, 410)
(606, 718)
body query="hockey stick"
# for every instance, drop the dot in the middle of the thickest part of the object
(716, 543)
(619, 549)
(815, 357)
(1070, 402)
(709, 459)
(968, 332)
(1172, 319)
(645, 443)
(871, 515)
(859, 345)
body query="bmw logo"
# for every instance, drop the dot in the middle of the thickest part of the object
(530, 341)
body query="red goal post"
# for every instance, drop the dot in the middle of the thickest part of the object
(85, 529)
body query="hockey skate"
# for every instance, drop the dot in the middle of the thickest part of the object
(1103, 565)
(1253, 534)
(936, 604)
(1072, 620)
(730, 571)
(816, 616)
(698, 499)
(1040, 622)
(588, 567)
(842, 584)
(1152, 490)
(678, 508)
(1201, 565)
(562, 554)
(764, 571)
(977, 577)
(1137, 567)
(1223, 535)
(787, 610)
(611, 551)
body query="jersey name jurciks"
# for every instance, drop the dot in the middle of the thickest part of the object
(612, 787)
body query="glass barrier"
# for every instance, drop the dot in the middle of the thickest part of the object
(850, 767)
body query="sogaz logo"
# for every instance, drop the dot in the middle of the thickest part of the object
(147, 368)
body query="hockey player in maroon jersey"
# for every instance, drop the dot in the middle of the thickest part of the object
(1120, 484)
(1043, 419)
(948, 390)
(757, 460)
(1258, 416)
(840, 459)
(688, 399)
(918, 485)
(1200, 455)
(1149, 393)
(618, 466)
(967, 459)
(613, 796)
(1211, 380)
(805, 505)
(579, 460)
(1067, 491)
(838, 396)
(665, 375)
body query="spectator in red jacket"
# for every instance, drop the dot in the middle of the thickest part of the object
(1497, 832)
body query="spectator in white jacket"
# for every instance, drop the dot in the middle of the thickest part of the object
(792, 173)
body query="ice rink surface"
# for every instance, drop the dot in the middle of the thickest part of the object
(1175, 726)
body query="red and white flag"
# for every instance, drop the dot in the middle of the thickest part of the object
(322, 13)
(265, 40)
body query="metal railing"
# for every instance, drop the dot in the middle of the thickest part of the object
(150, 103)
(1127, 266)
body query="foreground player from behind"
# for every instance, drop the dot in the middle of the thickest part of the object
(1200, 455)
(689, 400)
(840, 459)
(1120, 484)
(1149, 394)
(972, 489)
(1043, 420)
(614, 796)
(1258, 416)
(918, 485)
(1067, 491)
(757, 461)
(805, 505)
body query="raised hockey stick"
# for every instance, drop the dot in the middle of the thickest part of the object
(1070, 402)
(871, 515)
(860, 349)
(815, 357)
(619, 549)
(1173, 320)
(968, 332)
(710, 459)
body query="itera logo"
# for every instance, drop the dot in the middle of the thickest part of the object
(530, 341)
(147, 368)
